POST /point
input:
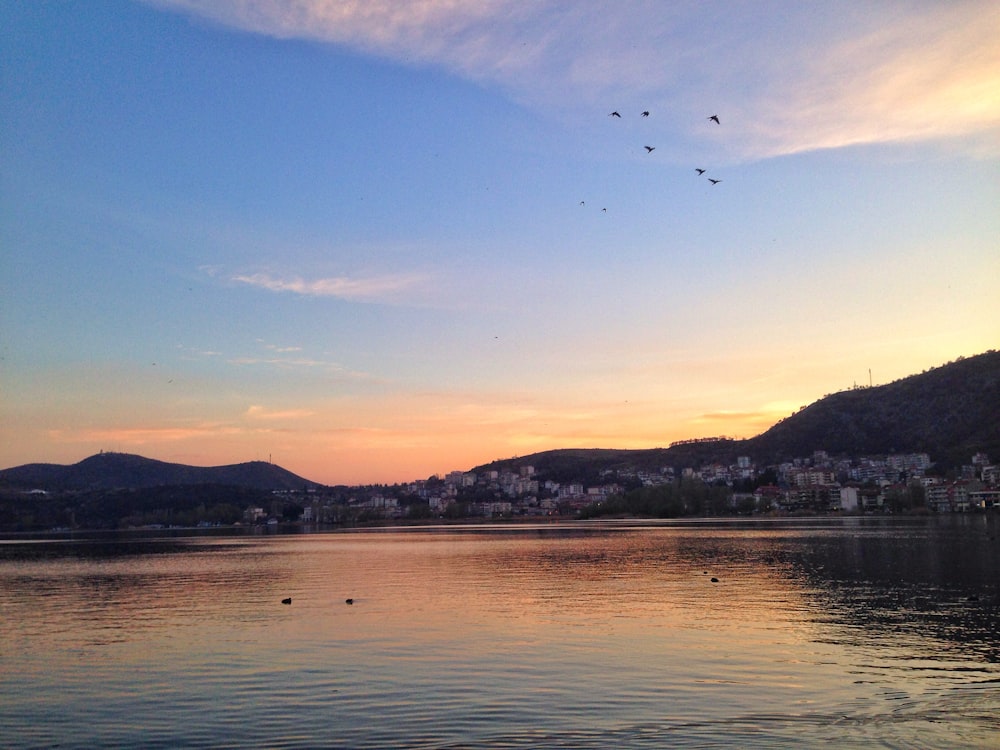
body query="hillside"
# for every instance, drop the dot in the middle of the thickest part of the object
(106, 471)
(949, 412)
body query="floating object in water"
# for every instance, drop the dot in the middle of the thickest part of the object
(287, 601)
(348, 601)
(715, 580)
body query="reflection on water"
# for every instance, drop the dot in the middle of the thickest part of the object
(932, 582)
(847, 631)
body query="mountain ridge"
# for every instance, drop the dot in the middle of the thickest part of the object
(111, 470)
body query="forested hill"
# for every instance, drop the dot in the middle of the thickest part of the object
(106, 471)
(949, 412)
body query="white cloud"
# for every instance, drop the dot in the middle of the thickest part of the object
(330, 369)
(922, 76)
(300, 362)
(785, 76)
(378, 288)
(261, 412)
(421, 27)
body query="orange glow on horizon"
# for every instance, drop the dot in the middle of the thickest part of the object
(401, 437)
(400, 453)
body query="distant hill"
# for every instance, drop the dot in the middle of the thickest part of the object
(949, 412)
(106, 471)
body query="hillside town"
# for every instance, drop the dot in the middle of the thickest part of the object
(819, 484)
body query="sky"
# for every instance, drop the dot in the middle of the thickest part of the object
(374, 241)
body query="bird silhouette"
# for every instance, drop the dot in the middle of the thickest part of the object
(287, 601)
(649, 149)
(699, 171)
(716, 118)
(604, 210)
(714, 182)
(582, 203)
(646, 113)
(615, 114)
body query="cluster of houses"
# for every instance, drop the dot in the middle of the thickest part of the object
(887, 484)
(817, 484)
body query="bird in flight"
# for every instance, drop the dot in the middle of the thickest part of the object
(714, 182)
(615, 114)
(582, 203)
(646, 113)
(649, 149)
(716, 118)
(699, 171)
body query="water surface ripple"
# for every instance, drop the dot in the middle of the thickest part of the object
(843, 632)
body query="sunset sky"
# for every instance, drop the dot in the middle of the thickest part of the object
(373, 241)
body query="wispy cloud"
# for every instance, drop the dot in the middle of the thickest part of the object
(371, 289)
(283, 361)
(732, 416)
(263, 413)
(145, 435)
(786, 77)
(927, 74)
(418, 27)
(740, 424)
(279, 357)
(332, 369)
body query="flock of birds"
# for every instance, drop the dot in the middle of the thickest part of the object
(651, 149)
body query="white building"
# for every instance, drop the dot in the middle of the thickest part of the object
(849, 499)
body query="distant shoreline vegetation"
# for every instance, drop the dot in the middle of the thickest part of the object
(696, 441)
(178, 505)
(799, 489)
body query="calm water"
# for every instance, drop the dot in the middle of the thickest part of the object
(843, 633)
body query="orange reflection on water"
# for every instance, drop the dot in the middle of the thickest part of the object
(520, 627)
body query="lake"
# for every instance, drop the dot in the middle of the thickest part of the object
(843, 632)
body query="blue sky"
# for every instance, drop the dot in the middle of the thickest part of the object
(369, 240)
